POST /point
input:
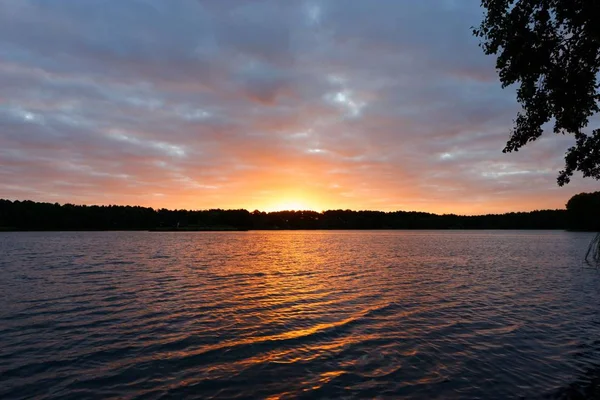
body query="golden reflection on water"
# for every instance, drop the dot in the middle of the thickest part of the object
(325, 378)
(320, 314)
(298, 305)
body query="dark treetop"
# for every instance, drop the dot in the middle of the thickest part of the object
(582, 213)
(551, 49)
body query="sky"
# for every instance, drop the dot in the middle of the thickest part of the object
(269, 105)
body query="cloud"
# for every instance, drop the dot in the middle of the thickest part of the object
(199, 104)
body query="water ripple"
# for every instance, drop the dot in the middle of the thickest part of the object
(298, 315)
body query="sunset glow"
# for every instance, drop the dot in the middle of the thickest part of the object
(303, 105)
(290, 205)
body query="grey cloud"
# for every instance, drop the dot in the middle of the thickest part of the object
(391, 98)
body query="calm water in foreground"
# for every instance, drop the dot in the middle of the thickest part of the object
(389, 314)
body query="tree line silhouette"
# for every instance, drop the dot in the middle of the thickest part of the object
(582, 213)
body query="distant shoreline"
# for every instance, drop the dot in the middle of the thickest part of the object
(29, 216)
(3, 230)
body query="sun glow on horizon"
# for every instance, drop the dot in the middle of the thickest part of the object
(294, 202)
(290, 205)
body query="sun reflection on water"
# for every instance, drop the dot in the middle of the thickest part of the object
(314, 314)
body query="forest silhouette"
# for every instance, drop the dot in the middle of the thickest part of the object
(582, 213)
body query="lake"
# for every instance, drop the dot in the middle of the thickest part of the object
(298, 314)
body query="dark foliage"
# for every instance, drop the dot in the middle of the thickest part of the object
(551, 49)
(28, 215)
(584, 212)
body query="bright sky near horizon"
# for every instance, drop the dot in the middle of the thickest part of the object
(316, 104)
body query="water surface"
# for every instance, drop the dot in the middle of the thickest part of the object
(377, 314)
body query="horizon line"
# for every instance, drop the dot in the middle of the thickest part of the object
(279, 211)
